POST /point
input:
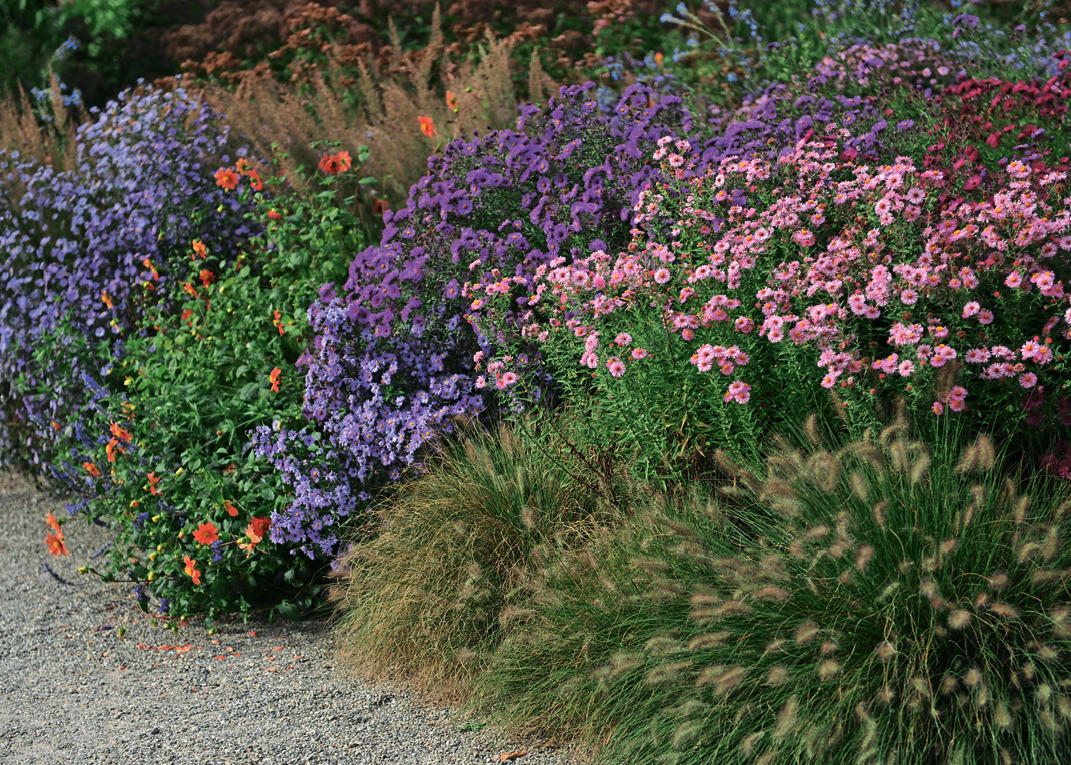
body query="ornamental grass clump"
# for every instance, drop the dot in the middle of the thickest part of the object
(432, 591)
(895, 602)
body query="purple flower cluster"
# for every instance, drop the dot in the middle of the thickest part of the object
(97, 245)
(392, 360)
(851, 88)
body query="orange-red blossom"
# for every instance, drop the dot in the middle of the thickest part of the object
(191, 570)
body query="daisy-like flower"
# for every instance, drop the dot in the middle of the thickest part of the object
(226, 178)
(739, 391)
(616, 366)
(206, 533)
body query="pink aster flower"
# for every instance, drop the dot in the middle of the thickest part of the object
(506, 380)
(740, 392)
(639, 353)
(1028, 380)
(616, 366)
(744, 325)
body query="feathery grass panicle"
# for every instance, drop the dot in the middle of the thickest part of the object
(381, 109)
(54, 143)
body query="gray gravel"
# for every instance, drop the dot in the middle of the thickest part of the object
(73, 691)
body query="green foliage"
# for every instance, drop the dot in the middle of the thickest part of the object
(102, 17)
(881, 601)
(171, 441)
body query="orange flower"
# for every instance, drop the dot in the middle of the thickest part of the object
(329, 164)
(92, 469)
(274, 377)
(254, 181)
(258, 527)
(112, 448)
(56, 545)
(107, 300)
(658, 58)
(206, 533)
(427, 126)
(52, 523)
(199, 248)
(256, 531)
(148, 264)
(207, 277)
(190, 288)
(274, 214)
(243, 167)
(153, 481)
(55, 425)
(451, 100)
(191, 571)
(277, 320)
(118, 432)
(336, 163)
(380, 206)
(232, 511)
(226, 179)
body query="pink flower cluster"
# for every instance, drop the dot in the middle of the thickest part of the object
(887, 272)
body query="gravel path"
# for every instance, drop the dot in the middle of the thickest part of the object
(73, 691)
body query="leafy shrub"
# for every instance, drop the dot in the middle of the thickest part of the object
(893, 602)
(432, 591)
(390, 365)
(96, 244)
(163, 454)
